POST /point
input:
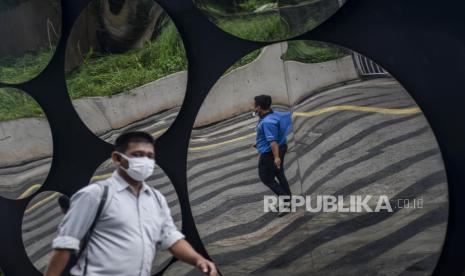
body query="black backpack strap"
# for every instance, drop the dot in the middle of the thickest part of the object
(86, 239)
(156, 196)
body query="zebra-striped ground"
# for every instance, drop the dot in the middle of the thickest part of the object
(340, 152)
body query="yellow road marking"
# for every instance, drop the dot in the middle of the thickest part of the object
(100, 177)
(29, 191)
(41, 202)
(159, 132)
(391, 111)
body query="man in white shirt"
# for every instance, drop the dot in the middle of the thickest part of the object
(135, 219)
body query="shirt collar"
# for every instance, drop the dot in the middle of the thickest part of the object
(263, 117)
(122, 184)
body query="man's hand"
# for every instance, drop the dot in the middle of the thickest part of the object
(277, 162)
(206, 267)
(275, 149)
(183, 251)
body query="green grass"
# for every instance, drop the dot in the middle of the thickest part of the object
(313, 52)
(99, 75)
(244, 60)
(259, 28)
(17, 70)
(103, 75)
(301, 51)
(17, 104)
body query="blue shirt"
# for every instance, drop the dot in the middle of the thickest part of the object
(274, 126)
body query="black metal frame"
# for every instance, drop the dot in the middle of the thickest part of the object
(413, 40)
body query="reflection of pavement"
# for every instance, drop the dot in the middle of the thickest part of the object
(338, 152)
(346, 152)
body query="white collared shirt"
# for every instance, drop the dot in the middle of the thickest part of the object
(127, 233)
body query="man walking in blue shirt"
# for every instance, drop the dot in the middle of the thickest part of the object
(272, 130)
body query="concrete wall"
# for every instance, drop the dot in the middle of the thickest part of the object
(232, 94)
(101, 114)
(306, 79)
(24, 140)
(287, 82)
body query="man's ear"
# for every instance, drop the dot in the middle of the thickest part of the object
(115, 157)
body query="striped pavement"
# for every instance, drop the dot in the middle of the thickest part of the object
(341, 151)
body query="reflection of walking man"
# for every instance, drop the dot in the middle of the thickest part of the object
(272, 130)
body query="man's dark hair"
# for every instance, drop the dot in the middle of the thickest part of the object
(122, 142)
(63, 201)
(264, 101)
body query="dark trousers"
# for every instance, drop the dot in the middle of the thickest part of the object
(268, 172)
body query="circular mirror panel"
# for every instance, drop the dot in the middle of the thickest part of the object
(30, 30)
(126, 68)
(26, 145)
(367, 180)
(40, 225)
(267, 20)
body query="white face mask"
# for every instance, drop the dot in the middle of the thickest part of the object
(140, 168)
